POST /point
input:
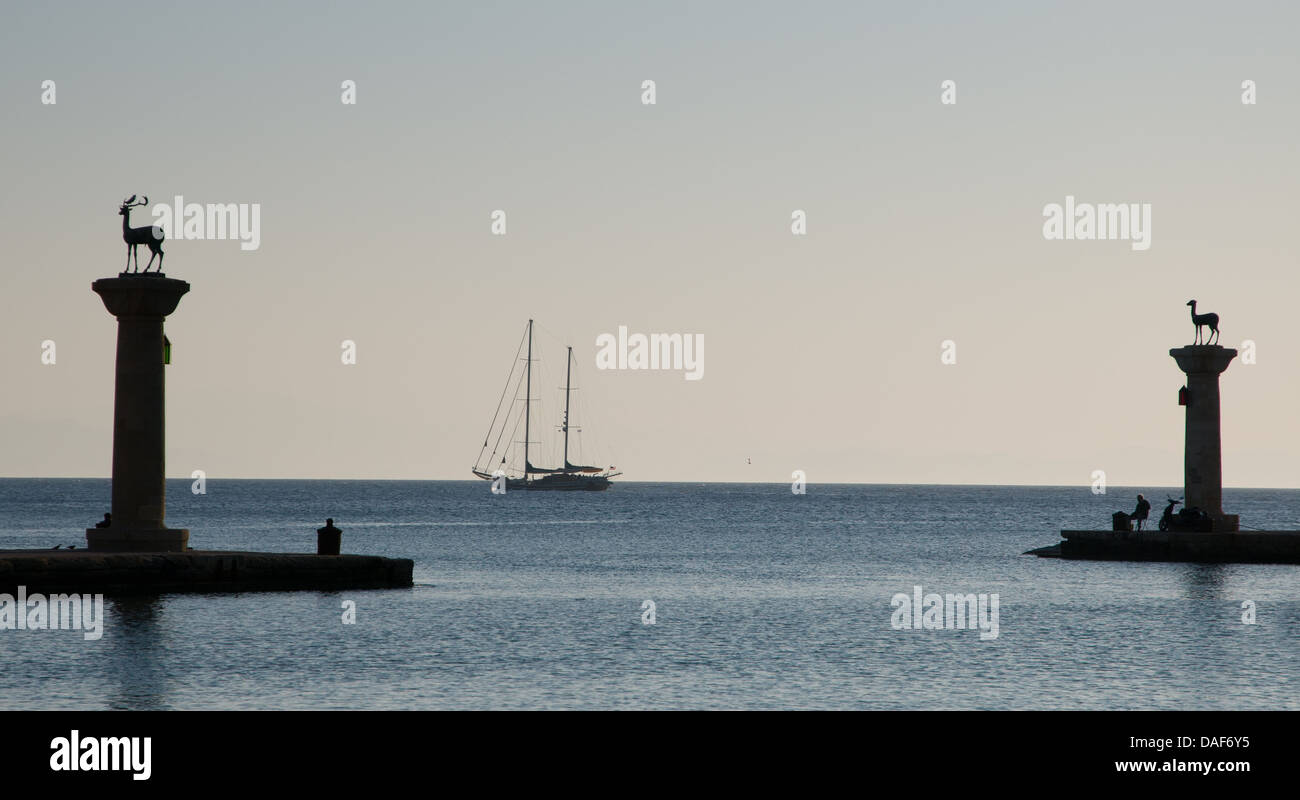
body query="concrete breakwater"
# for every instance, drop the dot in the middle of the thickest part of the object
(1238, 547)
(51, 571)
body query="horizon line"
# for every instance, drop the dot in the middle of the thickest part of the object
(707, 483)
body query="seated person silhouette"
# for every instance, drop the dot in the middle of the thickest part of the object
(328, 539)
(106, 522)
(1140, 513)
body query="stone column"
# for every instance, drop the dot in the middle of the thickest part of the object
(1202, 454)
(140, 302)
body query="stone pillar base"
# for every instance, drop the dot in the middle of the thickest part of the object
(137, 540)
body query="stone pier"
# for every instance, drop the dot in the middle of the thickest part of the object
(1224, 542)
(50, 571)
(140, 302)
(1202, 454)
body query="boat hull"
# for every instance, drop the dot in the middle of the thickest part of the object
(562, 483)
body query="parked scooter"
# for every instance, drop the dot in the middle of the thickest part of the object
(1167, 518)
(1187, 520)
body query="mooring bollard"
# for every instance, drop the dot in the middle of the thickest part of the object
(328, 539)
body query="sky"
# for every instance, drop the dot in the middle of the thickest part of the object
(822, 351)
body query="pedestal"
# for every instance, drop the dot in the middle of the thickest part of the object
(140, 302)
(1202, 454)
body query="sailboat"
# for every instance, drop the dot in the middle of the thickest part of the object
(569, 476)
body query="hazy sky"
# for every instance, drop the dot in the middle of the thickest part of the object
(822, 351)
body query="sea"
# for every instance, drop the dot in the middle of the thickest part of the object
(668, 596)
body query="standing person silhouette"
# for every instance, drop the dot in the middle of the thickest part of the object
(1140, 513)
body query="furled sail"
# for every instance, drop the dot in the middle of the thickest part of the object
(543, 471)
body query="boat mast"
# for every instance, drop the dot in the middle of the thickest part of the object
(528, 398)
(568, 370)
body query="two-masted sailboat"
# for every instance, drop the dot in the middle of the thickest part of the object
(569, 477)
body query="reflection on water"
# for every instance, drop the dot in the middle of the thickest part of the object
(1205, 582)
(135, 653)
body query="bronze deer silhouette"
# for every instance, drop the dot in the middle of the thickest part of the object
(1202, 320)
(134, 237)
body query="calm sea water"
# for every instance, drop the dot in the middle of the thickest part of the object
(763, 599)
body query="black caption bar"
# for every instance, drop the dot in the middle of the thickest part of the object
(329, 750)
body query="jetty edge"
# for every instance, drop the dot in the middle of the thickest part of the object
(195, 571)
(1235, 547)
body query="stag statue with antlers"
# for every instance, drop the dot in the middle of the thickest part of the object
(134, 237)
